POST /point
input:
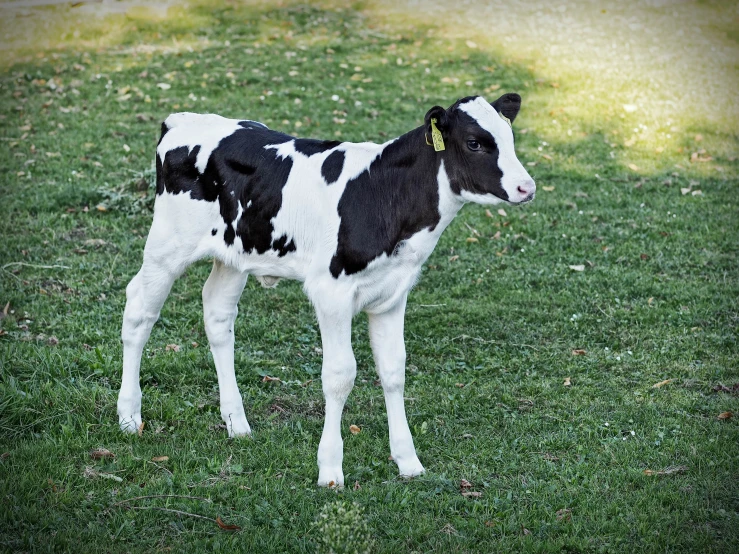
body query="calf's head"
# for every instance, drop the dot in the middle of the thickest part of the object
(478, 150)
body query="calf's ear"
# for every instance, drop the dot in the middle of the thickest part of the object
(442, 121)
(508, 105)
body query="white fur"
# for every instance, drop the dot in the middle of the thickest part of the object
(181, 234)
(514, 174)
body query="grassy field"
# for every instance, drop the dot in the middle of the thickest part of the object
(572, 360)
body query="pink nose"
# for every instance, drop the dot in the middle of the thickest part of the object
(527, 188)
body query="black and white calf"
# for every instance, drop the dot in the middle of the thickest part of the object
(353, 221)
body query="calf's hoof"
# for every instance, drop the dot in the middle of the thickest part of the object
(237, 425)
(410, 468)
(130, 423)
(331, 478)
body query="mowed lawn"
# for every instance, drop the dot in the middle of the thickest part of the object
(573, 361)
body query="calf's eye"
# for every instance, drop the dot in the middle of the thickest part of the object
(473, 145)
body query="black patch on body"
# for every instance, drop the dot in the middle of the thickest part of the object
(333, 166)
(308, 147)
(240, 172)
(389, 202)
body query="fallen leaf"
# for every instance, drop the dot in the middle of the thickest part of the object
(225, 526)
(268, 379)
(52, 485)
(141, 428)
(91, 472)
(357, 486)
(525, 531)
(661, 383)
(471, 44)
(685, 191)
(472, 494)
(496, 236)
(501, 211)
(644, 256)
(550, 457)
(667, 471)
(459, 385)
(633, 167)
(4, 313)
(4, 455)
(101, 453)
(565, 514)
(567, 382)
(489, 524)
(172, 348)
(453, 258)
(355, 429)
(160, 458)
(164, 86)
(698, 138)
(548, 188)
(577, 267)
(546, 157)
(734, 389)
(579, 352)
(52, 341)
(472, 239)
(488, 213)
(465, 484)
(696, 192)
(725, 415)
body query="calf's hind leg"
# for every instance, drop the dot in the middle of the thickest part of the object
(221, 295)
(145, 295)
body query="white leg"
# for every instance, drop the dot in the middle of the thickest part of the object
(145, 295)
(388, 349)
(221, 295)
(337, 376)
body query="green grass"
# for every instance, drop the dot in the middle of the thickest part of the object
(490, 333)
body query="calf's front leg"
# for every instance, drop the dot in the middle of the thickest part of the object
(337, 376)
(388, 349)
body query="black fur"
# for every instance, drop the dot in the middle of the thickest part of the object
(393, 199)
(308, 147)
(333, 166)
(239, 171)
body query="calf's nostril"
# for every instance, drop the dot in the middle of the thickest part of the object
(523, 190)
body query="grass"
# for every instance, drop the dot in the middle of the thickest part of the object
(491, 327)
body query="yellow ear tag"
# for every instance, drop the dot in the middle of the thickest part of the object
(436, 137)
(504, 118)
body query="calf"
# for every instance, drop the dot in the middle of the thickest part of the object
(353, 221)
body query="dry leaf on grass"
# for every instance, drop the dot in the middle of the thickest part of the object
(471, 494)
(577, 267)
(525, 531)
(91, 472)
(661, 383)
(472, 239)
(667, 471)
(488, 213)
(501, 212)
(548, 188)
(633, 167)
(579, 352)
(465, 484)
(565, 514)
(268, 379)
(567, 382)
(101, 453)
(141, 428)
(357, 486)
(725, 415)
(172, 348)
(160, 458)
(225, 526)
(355, 429)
